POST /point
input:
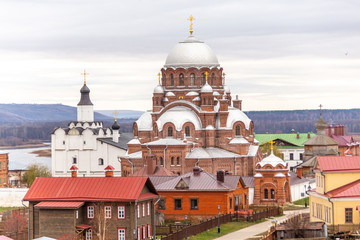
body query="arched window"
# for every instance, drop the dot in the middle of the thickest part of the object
(204, 102)
(170, 131)
(203, 80)
(135, 130)
(266, 194)
(181, 79)
(187, 131)
(164, 79)
(209, 101)
(161, 161)
(101, 161)
(272, 194)
(237, 130)
(192, 79)
(172, 161)
(178, 161)
(171, 80)
(157, 101)
(212, 79)
(156, 132)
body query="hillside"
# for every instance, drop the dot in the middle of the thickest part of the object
(23, 123)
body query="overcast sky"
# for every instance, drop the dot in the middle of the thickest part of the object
(276, 54)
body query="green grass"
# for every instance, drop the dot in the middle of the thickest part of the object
(224, 229)
(301, 201)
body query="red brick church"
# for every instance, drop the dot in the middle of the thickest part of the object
(194, 121)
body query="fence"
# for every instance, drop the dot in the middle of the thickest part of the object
(191, 230)
(355, 228)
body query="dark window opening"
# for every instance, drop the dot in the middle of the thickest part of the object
(74, 160)
(172, 161)
(348, 215)
(171, 80)
(187, 131)
(272, 194)
(161, 204)
(192, 79)
(178, 203)
(178, 161)
(291, 156)
(237, 130)
(161, 161)
(181, 79)
(203, 79)
(101, 161)
(194, 203)
(170, 132)
(266, 194)
(212, 79)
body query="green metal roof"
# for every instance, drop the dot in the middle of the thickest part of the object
(286, 137)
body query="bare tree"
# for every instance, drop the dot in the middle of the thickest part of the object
(101, 221)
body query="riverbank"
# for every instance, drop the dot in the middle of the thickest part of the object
(42, 153)
(37, 145)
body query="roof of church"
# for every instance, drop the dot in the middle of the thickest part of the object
(291, 138)
(211, 152)
(85, 96)
(272, 160)
(191, 53)
(122, 143)
(159, 171)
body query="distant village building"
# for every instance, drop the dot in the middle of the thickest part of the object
(86, 144)
(320, 145)
(335, 200)
(15, 177)
(198, 194)
(348, 146)
(4, 168)
(194, 121)
(92, 207)
(291, 145)
(272, 181)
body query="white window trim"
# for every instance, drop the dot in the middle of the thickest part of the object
(121, 209)
(90, 212)
(107, 210)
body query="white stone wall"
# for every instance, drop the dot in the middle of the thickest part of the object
(11, 197)
(87, 150)
(85, 113)
(298, 190)
(296, 153)
(251, 196)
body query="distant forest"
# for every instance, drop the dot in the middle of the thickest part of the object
(16, 131)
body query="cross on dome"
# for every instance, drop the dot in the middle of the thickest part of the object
(223, 78)
(115, 113)
(159, 77)
(272, 145)
(85, 74)
(191, 18)
(320, 106)
(206, 76)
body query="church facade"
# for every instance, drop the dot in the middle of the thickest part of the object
(194, 121)
(86, 144)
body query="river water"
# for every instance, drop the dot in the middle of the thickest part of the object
(21, 158)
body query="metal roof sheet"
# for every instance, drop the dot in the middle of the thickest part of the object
(291, 138)
(339, 163)
(59, 204)
(349, 190)
(87, 188)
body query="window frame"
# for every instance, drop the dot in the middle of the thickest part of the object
(181, 79)
(170, 132)
(107, 209)
(237, 130)
(148, 208)
(197, 203)
(187, 131)
(266, 194)
(175, 206)
(291, 156)
(160, 207)
(138, 210)
(138, 233)
(349, 215)
(178, 161)
(89, 232)
(118, 235)
(192, 79)
(144, 231)
(74, 160)
(88, 212)
(143, 210)
(118, 211)
(149, 230)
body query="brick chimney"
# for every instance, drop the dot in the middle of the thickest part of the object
(220, 175)
(151, 164)
(342, 132)
(73, 170)
(299, 172)
(336, 129)
(308, 135)
(109, 171)
(329, 130)
(298, 135)
(237, 103)
(196, 171)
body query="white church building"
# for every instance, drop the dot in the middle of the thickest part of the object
(86, 144)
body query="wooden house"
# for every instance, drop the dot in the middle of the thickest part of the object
(198, 194)
(92, 207)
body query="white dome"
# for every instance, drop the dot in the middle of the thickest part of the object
(170, 94)
(158, 89)
(196, 99)
(178, 116)
(236, 115)
(144, 122)
(191, 53)
(206, 88)
(216, 93)
(272, 160)
(192, 94)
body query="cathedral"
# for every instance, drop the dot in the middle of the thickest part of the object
(194, 120)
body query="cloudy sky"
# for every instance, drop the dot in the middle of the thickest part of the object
(276, 54)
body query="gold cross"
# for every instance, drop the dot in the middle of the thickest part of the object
(206, 76)
(85, 74)
(272, 144)
(159, 77)
(191, 18)
(115, 115)
(224, 78)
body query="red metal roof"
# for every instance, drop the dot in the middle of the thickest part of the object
(339, 163)
(147, 195)
(59, 204)
(109, 167)
(73, 167)
(87, 189)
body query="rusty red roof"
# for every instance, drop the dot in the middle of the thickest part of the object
(159, 171)
(59, 204)
(147, 195)
(339, 163)
(87, 189)
(83, 226)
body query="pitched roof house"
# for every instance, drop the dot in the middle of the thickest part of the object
(91, 206)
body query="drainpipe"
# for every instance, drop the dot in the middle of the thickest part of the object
(132, 166)
(154, 230)
(333, 220)
(322, 174)
(28, 208)
(197, 162)
(149, 149)
(165, 154)
(119, 160)
(234, 165)
(136, 230)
